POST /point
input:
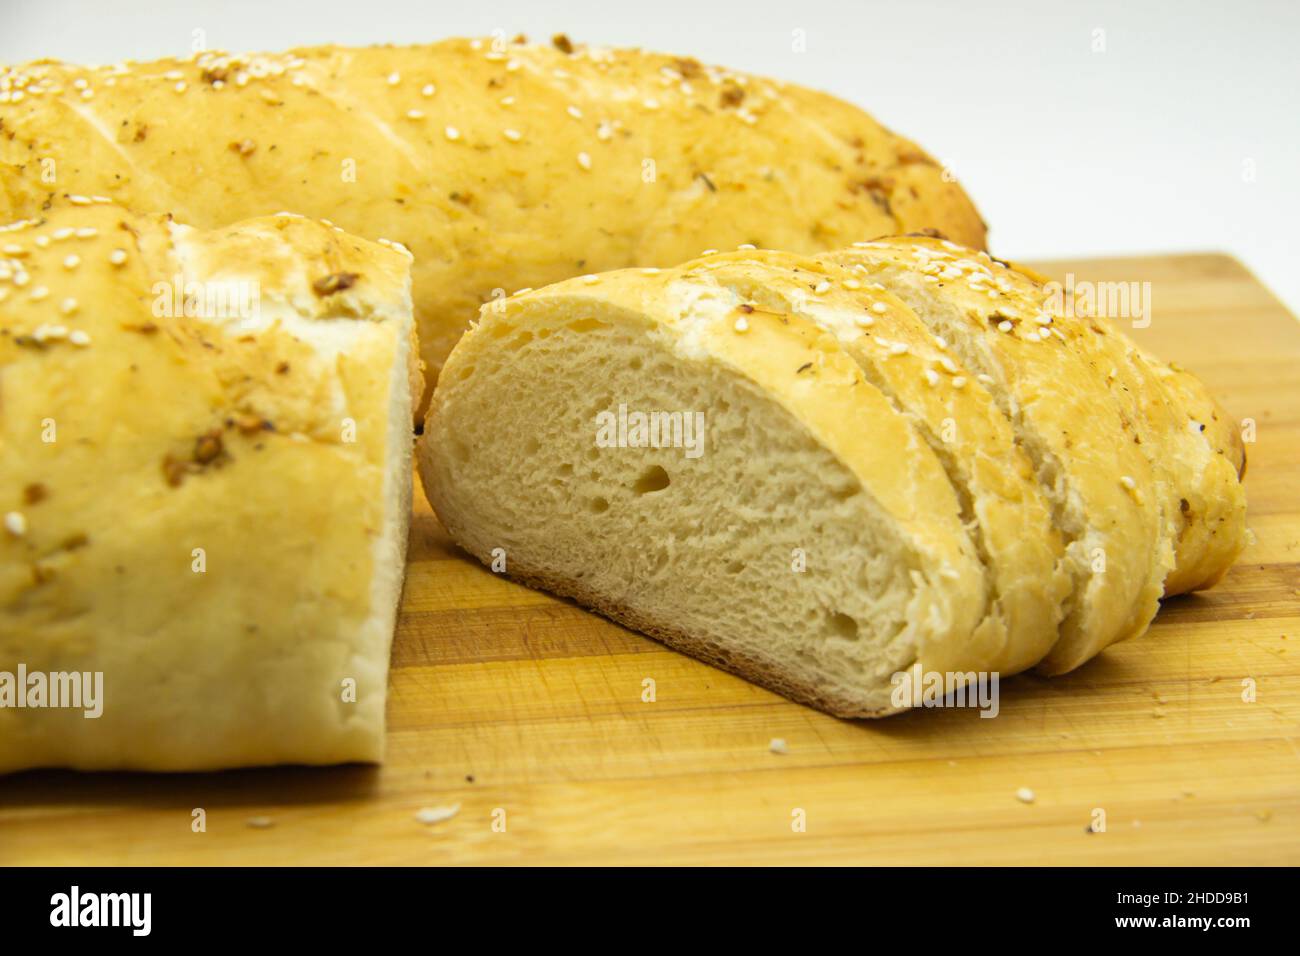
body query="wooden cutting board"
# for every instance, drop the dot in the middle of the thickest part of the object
(527, 711)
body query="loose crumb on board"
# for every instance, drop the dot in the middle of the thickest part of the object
(778, 745)
(260, 823)
(432, 815)
(1025, 795)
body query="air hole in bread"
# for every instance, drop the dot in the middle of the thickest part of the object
(735, 567)
(599, 505)
(653, 479)
(842, 625)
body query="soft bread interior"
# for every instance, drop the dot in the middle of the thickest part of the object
(764, 554)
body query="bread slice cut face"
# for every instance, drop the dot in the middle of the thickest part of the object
(690, 453)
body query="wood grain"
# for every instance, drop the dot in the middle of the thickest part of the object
(504, 699)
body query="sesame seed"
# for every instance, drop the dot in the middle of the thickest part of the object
(959, 381)
(652, 271)
(14, 250)
(79, 338)
(940, 341)
(452, 133)
(822, 287)
(179, 87)
(932, 376)
(747, 246)
(1004, 326)
(428, 89)
(16, 524)
(42, 241)
(1025, 795)
(414, 114)
(71, 262)
(651, 104)
(591, 279)
(394, 78)
(584, 160)
(742, 324)
(87, 233)
(40, 292)
(984, 379)
(526, 289)
(865, 321)
(852, 284)
(512, 134)
(117, 257)
(68, 306)
(898, 348)
(507, 101)
(80, 200)
(573, 111)
(949, 365)
(1128, 482)
(64, 233)
(879, 308)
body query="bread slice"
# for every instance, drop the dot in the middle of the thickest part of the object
(206, 484)
(815, 544)
(977, 484)
(1138, 491)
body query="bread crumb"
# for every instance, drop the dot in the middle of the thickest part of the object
(260, 823)
(1025, 795)
(777, 745)
(432, 815)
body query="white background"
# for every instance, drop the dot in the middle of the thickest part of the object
(1084, 128)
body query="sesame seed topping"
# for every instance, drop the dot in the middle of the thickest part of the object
(984, 379)
(652, 271)
(428, 89)
(1004, 326)
(932, 376)
(394, 78)
(865, 321)
(584, 160)
(573, 111)
(959, 381)
(512, 134)
(68, 306)
(71, 262)
(414, 114)
(591, 279)
(879, 308)
(80, 200)
(742, 324)
(822, 287)
(40, 292)
(507, 101)
(16, 524)
(117, 257)
(79, 338)
(452, 133)
(898, 348)
(852, 284)
(179, 87)
(1128, 482)
(87, 233)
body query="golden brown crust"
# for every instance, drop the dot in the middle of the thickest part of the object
(499, 167)
(216, 528)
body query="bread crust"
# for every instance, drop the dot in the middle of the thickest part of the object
(499, 166)
(213, 492)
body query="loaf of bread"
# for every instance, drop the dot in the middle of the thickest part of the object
(823, 472)
(500, 165)
(205, 455)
